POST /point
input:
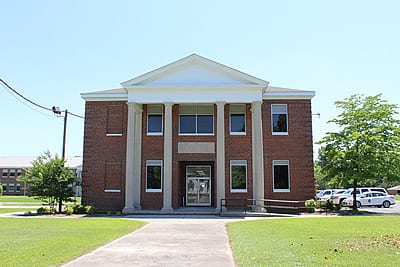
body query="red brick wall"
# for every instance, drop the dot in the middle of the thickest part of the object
(152, 149)
(297, 147)
(101, 151)
(238, 147)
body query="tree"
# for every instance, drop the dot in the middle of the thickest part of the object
(367, 146)
(48, 180)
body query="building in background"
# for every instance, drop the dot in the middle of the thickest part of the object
(193, 133)
(13, 167)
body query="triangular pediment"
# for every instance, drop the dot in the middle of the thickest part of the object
(193, 70)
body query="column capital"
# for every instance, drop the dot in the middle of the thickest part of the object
(168, 104)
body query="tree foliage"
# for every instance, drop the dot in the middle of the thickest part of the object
(49, 181)
(366, 149)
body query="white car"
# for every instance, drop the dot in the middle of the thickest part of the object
(337, 199)
(378, 199)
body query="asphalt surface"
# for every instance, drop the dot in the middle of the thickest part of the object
(172, 241)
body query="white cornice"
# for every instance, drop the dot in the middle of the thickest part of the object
(289, 95)
(104, 97)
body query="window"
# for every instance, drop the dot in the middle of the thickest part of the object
(279, 119)
(18, 188)
(114, 120)
(281, 175)
(238, 119)
(4, 173)
(10, 187)
(19, 172)
(12, 173)
(154, 120)
(238, 176)
(196, 119)
(4, 187)
(153, 175)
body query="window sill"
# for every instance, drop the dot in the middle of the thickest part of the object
(195, 134)
(154, 134)
(237, 133)
(280, 133)
(281, 191)
(153, 190)
(238, 190)
(112, 190)
(114, 134)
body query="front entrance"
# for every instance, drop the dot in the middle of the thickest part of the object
(198, 185)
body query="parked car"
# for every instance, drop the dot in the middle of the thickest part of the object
(337, 199)
(325, 195)
(378, 199)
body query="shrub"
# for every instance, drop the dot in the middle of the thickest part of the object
(310, 205)
(45, 210)
(79, 209)
(90, 209)
(69, 210)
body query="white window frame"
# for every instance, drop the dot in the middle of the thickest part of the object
(155, 113)
(196, 114)
(18, 188)
(4, 171)
(5, 187)
(237, 163)
(280, 163)
(272, 119)
(237, 113)
(155, 163)
(11, 188)
(12, 171)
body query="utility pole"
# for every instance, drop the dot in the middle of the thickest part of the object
(65, 134)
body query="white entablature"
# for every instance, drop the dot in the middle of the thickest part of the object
(194, 79)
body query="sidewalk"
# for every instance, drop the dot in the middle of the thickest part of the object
(168, 241)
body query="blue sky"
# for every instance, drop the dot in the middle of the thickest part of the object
(51, 51)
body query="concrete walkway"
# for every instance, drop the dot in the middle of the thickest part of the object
(171, 241)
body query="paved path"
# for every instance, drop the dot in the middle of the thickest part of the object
(167, 242)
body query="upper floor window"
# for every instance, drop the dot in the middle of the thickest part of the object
(238, 175)
(4, 173)
(281, 175)
(238, 119)
(279, 119)
(19, 172)
(196, 119)
(12, 173)
(154, 120)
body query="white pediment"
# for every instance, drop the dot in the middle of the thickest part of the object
(193, 70)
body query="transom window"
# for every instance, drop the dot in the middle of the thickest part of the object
(153, 175)
(279, 119)
(238, 175)
(154, 120)
(281, 175)
(196, 119)
(238, 119)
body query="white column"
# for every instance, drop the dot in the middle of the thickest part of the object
(137, 158)
(257, 152)
(220, 154)
(167, 188)
(130, 159)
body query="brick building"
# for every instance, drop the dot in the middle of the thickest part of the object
(194, 132)
(13, 167)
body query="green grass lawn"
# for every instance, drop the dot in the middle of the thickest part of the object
(18, 199)
(397, 197)
(11, 210)
(327, 241)
(51, 241)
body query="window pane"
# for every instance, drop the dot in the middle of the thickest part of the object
(237, 123)
(154, 124)
(279, 123)
(187, 124)
(281, 177)
(153, 177)
(205, 124)
(238, 174)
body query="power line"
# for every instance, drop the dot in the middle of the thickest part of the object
(35, 104)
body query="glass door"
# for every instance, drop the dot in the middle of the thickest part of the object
(198, 186)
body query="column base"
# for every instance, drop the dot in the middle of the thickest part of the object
(167, 210)
(259, 209)
(128, 210)
(219, 210)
